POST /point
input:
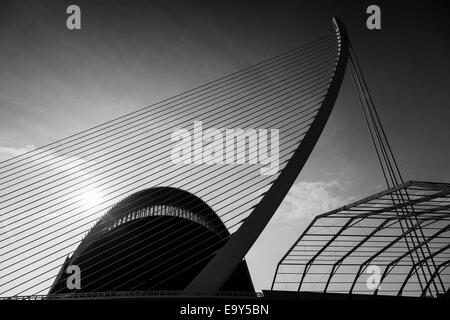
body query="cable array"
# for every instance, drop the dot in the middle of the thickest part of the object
(393, 177)
(54, 197)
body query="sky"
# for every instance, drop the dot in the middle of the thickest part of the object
(130, 54)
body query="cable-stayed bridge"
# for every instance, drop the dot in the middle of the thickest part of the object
(171, 197)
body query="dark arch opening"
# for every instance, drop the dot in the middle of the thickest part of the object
(155, 239)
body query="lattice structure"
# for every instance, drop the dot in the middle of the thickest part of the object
(395, 242)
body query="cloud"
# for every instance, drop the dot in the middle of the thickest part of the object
(71, 164)
(9, 152)
(37, 173)
(305, 200)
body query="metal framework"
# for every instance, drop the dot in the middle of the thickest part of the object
(366, 248)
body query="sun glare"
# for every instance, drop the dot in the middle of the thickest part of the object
(91, 198)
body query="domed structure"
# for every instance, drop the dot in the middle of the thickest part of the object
(156, 239)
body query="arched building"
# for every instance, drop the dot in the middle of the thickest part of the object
(155, 239)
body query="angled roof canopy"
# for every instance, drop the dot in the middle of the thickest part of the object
(392, 243)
